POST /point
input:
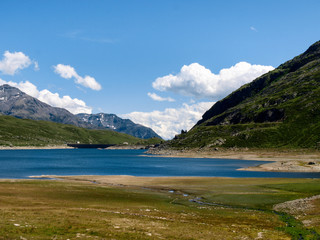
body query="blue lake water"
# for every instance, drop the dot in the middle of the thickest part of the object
(24, 163)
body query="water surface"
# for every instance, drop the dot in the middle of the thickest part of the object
(24, 163)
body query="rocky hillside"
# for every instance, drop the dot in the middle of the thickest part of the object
(113, 122)
(279, 109)
(14, 102)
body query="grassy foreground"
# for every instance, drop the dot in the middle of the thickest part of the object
(102, 207)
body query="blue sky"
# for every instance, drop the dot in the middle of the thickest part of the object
(135, 50)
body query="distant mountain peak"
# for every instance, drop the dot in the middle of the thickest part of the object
(113, 122)
(14, 102)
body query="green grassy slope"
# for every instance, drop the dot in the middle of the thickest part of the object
(25, 132)
(280, 109)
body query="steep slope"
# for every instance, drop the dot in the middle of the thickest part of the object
(26, 132)
(14, 102)
(113, 122)
(279, 109)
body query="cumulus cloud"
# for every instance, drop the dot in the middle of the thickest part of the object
(67, 72)
(73, 105)
(13, 62)
(171, 121)
(156, 97)
(195, 80)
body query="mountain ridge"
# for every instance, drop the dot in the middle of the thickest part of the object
(115, 123)
(14, 102)
(280, 109)
(258, 84)
(26, 132)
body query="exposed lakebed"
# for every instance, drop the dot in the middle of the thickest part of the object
(25, 163)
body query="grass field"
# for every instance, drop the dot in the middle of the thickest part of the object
(98, 207)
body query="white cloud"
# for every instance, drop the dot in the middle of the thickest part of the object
(67, 72)
(156, 97)
(171, 121)
(13, 62)
(73, 105)
(253, 29)
(36, 65)
(197, 81)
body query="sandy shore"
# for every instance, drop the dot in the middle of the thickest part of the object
(126, 180)
(302, 165)
(282, 160)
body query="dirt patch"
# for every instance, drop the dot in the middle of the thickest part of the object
(298, 206)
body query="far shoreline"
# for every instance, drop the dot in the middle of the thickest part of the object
(116, 147)
(35, 147)
(282, 160)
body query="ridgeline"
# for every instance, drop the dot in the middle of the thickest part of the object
(26, 132)
(280, 109)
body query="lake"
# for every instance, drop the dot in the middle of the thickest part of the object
(25, 163)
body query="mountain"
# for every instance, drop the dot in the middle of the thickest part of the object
(26, 132)
(280, 109)
(115, 123)
(14, 102)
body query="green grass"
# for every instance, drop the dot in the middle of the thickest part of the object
(25, 132)
(143, 208)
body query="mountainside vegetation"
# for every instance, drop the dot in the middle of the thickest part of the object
(280, 109)
(26, 132)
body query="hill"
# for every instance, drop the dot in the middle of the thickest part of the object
(115, 123)
(280, 109)
(26, 132)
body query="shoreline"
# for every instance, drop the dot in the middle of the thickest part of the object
(281, 160)
(304, 160)
(118, 147)
(121, 180)
(35, 147)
